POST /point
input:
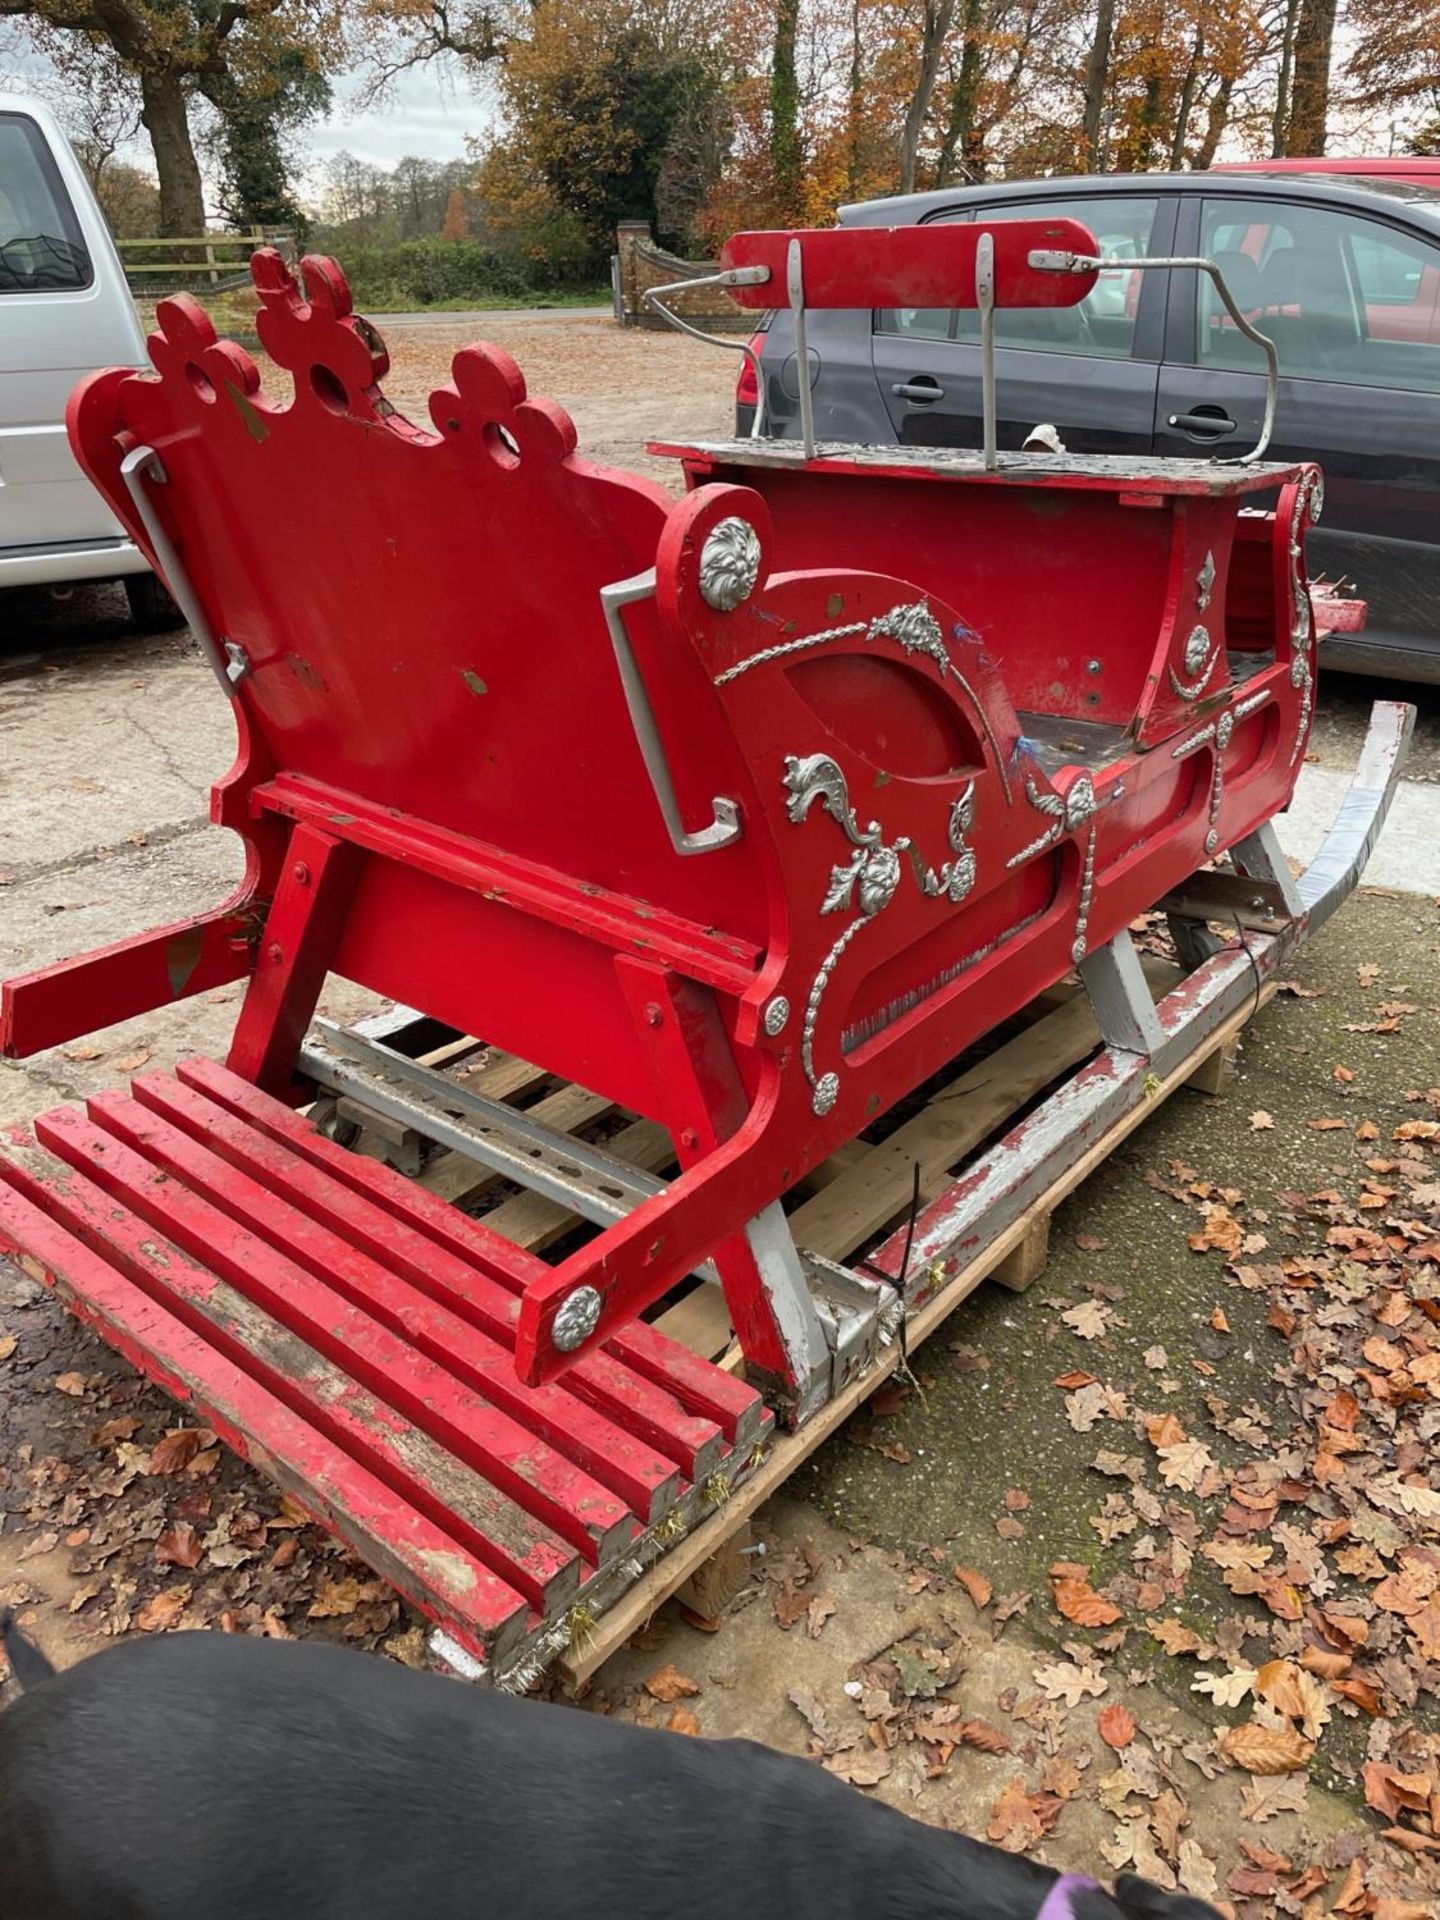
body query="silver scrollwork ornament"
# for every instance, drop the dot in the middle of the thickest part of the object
(1197, 650)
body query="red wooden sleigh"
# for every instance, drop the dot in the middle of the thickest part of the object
(748, 812)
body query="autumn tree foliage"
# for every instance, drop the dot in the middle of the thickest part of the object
(259, 63)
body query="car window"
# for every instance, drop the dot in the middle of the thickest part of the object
(1104, 321)
(41, 246)
(1343, 297)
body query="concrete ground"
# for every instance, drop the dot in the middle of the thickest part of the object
(855, 1640)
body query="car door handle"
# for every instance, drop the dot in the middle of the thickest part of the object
(922, 390)
(1213, 425)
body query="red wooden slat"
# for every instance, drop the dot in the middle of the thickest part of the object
(428, 1564)
(696, 1382)
(504, 1451)
(59, 1002)
(258, 1365)
(629, 1398)
(929, 266)
(391, 1254)
(439, 1446)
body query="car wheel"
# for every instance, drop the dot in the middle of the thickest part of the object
(151, 608)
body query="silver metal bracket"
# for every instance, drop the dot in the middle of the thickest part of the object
(1053, 260)
(1259, 856)
(1120, 995)
(229, 663)
(725, 827)
(795, 296)
(860, 1317)
(985, 302)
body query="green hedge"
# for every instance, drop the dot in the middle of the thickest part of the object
(422, 273)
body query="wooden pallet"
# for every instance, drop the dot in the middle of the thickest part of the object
(845, 1208)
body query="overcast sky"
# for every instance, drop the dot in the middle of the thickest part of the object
(430, 112)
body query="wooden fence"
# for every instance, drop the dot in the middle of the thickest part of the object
(210, 262)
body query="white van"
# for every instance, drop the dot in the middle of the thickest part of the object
(64, 310)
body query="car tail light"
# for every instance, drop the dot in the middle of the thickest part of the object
(747, 387)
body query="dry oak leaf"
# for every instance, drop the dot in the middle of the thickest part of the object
(1261, 1121)
(1117, 1726)
(178, 1448)
(1186, 1464)
(1264, 1799)
(1296, 1694)
(1163, 1430)
(1264, 1750)
(1090, 1403)
(8, 1344)
(982, 1736)
(683, 1721)
(72, 1384)
(1175, 1637)
(1225, 1689)
(1196, 1870)
(1063, 1680)
(1388, 1790)
(667, 1683)
(1079, 1601)
(1089, 1320)
(179, 1546)
(863, 1766)
(335, 1599)
(162, 1610)
(1221, 1232)
(1019, 1819)
(976, 1585)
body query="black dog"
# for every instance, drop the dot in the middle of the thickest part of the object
(206, 1776)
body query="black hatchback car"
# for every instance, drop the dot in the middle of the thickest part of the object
(1344, 275)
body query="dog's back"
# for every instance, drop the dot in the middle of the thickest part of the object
(205, 1774)
(217, 1775)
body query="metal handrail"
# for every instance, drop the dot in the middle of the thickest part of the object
(1042, 259)
(727, 277)
(1045, 261)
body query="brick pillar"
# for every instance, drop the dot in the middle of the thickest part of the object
(627, 234)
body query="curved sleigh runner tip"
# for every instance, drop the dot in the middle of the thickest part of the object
(731, 830)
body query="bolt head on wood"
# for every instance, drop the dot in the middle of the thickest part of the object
(577, 1319)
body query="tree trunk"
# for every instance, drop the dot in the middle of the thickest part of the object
(965, 95)
(785, 113)
(182, 201)
(857, 80)
(1310, 100)
(1186, 107)
(1097, 76)
(939, 16)
(1280, 119)
(1215, 122)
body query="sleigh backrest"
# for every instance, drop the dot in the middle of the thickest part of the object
(410, 613)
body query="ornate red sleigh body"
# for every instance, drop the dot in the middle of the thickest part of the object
(748, 813)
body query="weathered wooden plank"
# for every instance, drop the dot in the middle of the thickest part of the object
(630, 1389)
(873, 1193)
(325, 1391)
(379, 1521)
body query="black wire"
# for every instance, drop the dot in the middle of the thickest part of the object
(902, 1331)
